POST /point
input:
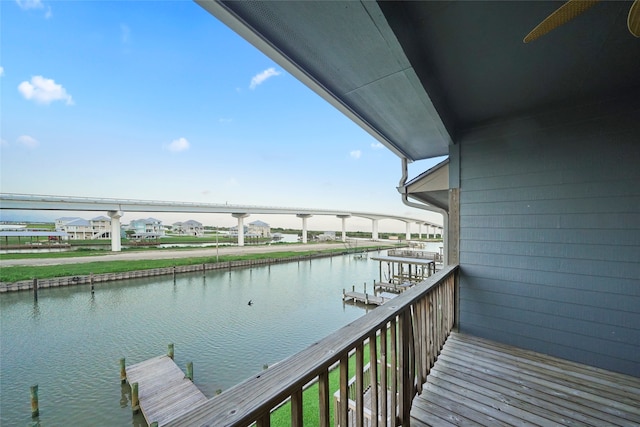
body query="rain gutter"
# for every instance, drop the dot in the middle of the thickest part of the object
(402, 189)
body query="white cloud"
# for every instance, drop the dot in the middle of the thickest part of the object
(232, 182)
(355, 154)
(180, 144)
(28, 141)
(260, 78)
(34, 4)
(377, 145)
(30, 4)
(44, 91)
(4, 142)
(1, 71)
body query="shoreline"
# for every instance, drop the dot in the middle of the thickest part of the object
(91, 279)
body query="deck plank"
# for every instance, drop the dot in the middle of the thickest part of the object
(163, 390)
(478, 382)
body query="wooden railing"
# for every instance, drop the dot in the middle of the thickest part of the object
(404, 337)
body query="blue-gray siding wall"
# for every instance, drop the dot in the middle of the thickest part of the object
(550, 234)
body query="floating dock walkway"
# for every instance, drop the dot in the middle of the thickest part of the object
(163, 391)
(364, 298)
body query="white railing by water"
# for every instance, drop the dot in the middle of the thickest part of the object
(404, 338)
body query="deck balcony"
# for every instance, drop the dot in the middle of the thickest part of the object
(425, 374)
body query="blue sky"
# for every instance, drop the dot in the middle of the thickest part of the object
(161, 101)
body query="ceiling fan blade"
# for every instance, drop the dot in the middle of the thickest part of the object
(633, 20)
(563, 14)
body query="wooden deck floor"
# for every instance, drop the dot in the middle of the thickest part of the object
(163, 390)
(478, 382)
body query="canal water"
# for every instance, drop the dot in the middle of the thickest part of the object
(70, 341)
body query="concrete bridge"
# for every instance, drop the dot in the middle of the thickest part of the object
(115, 208)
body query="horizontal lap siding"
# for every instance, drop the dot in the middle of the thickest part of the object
(550, 236)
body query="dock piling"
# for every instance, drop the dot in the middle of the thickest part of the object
(35, 289)
(170, 351)
(190, 370)
(123, 371)
(91, 281)
(135, 401)
(35, 408)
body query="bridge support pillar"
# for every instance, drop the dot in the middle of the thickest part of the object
(241, 217)
(304, 226)
(116, 241)
(344, 226)
(408, 231)
(374, 229)
(419, 231)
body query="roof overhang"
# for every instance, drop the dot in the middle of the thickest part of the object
(418, 74)
(431, 186)
(348, 54)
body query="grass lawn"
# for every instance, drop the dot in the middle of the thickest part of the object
(310, 400)
(16, 273)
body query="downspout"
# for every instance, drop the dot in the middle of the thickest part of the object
(402, 189)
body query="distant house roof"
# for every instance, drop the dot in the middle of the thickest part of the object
(67, 218)
(146, 221)
(101, 218)
(79, 222)
(259, 223)
(193, 223)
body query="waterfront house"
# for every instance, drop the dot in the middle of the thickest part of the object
(81, 229)
(540, 203)
(259, 228)
(189, 228)
(147, 226)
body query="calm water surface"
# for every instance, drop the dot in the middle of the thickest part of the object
(70, 342)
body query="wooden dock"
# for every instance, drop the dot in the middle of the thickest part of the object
(392, 287)
(364, 298)
(164, 391)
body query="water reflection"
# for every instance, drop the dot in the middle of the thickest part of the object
(125, 395)
(35, 314)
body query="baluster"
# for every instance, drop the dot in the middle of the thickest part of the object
(383, 375)
(394, 373)
(264, 420)
(296, 408)
(359, 386)
(373, 371)
(323, 390)
(344, 389)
